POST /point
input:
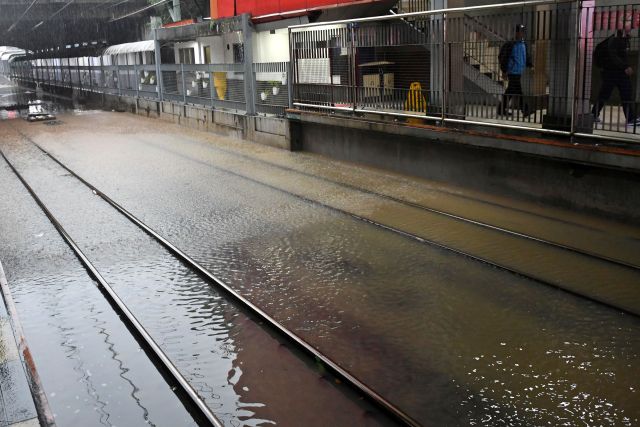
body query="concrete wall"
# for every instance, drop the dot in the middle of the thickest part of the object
(563, 183)
(272, 131)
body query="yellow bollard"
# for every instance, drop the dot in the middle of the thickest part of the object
(416, 102)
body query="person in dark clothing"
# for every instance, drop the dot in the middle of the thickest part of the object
(514, 57)
(616, 72)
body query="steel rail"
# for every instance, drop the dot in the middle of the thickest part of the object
(461, 218)
(339, 371)
(129, 318)
(395, 230)
(448, 193)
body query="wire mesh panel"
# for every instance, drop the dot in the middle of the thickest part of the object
(228, 85)
(608, 94)
(66, 72)
(196, 84)
(111, 78)
(126, 77)
(97, 77)
(393, 66)
(323, 72)
(147, 81)
(271, 86)
(499, 63)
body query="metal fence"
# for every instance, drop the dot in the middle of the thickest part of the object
(444, 66)
(214, 85)
(272, 87)
(436, 66)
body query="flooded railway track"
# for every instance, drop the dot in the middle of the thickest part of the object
(561, 266)
(199, 408)
(194, 403)
(522, 327)
(443, 213)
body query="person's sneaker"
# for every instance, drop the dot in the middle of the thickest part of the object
(597, 120)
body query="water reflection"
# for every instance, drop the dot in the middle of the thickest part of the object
(246, 375)
(408, 319)
(91, 376)
(449, 340)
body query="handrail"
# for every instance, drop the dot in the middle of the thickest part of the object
(433, 12)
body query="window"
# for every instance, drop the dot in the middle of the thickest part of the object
(238, 53)
(187, 56)
(206, 54)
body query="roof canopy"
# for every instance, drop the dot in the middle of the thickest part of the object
(143, 46)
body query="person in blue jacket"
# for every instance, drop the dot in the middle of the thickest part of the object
(514, 57)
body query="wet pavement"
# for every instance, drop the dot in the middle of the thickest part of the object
(450, 340)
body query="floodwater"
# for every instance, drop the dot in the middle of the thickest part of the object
(448, 339)
(232, 361)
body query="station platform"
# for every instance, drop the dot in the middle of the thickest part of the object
(17, 407)
(546, 169)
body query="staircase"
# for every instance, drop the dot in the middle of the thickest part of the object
(481, 65)
(482, 44)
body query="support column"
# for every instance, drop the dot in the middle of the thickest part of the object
(158, 59)
(436, 52)
(249, 89)
(454, 62)
(562, 67)
(582, 117)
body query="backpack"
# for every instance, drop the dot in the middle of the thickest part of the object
(504, 55)
(601, 53)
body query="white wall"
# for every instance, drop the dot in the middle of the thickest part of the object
(216, 43)
(221, 47)
(269, 47)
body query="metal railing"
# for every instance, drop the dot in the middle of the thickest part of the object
(212, 85)
(438, 65)
(443, 65)
(272, 87)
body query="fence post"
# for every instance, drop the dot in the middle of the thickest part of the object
(563, 66)
(79, 74)
(158, 60)
(137, 79)
(212, 89)
(249, 88)
(354, 73)
(184, 86)
(102, 80)
(581, 116)
(289, 82)
(118, 82)
(573, 70)
(444, 69)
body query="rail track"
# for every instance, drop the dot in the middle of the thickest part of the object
(443, 213)
(526, 274)
(197, 403)
(193, 402)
